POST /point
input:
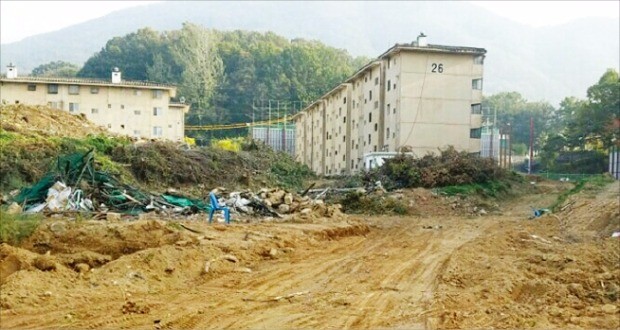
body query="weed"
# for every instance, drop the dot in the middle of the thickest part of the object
(358, 203)
(16, 227)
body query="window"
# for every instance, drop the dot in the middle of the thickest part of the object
(74, 89)
(394, 86)
(476, 109)
(32, 87)
(52, 89)
(374, 148)
(109, 125)
(376, 104)
(94, 110)
(122, 106)
(54, 105)
(476, 84)
(344, 138)
(344, 119)
(157, 111)
(94, 90)
(344, 100)
(376, 81)
(387, 133)
(394, 110)
(370, 117)
(475, 133)
(137, 92)
(369, 138)
(157, 94)
(389, 85)
(370, 95)
(339, 111)
(109, 106)
(74, 107)
(122, 126)
(136, 132)
(157, 131)
(479, 59)
(389, 60)
(388, 108)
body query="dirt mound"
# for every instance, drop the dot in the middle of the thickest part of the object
(556, 271)
(41, 120)
(106, 239)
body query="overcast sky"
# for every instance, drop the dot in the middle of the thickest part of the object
(21, 19)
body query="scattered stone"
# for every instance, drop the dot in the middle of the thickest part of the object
(609, 309)
(44, 263)
(306, 211)
(82, 268)
(230, 258)
(284, 208)
(273, 252)
(243, 270)
(288, 199)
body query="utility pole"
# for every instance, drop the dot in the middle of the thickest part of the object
(529, 169)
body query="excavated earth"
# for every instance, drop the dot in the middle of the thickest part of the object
(436, 270)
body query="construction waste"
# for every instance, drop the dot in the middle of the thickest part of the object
(76, 186)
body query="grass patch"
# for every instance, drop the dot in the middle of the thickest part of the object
(14, 228)
(593, 184)
(358, 203)
(488, 189)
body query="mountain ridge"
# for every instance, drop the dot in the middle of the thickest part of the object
(541, 63)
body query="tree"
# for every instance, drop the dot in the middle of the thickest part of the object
(56, 69)
(133, 54)
(512, 108)
(599, 119)
(193, 48)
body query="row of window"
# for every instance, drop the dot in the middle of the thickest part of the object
(75, 90)
(75, 107)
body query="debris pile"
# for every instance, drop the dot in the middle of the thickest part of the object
(76, 186)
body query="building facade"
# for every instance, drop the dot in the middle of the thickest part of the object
(416, 97)
(138, 109)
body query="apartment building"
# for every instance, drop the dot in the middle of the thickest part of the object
(415, 97)
(133, 108)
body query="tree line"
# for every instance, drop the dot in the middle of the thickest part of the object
(575, 137)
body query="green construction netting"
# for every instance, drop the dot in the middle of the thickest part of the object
(102, 188)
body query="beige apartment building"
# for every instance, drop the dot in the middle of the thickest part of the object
(416, 97)
(137, 109)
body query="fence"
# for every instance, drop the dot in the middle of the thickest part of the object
(566, 177)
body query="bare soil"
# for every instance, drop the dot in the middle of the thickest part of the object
(439, 270)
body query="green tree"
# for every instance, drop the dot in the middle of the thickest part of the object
(133, 54)
(56, 69)
(599, 119)
(194, 49)
(515, 110)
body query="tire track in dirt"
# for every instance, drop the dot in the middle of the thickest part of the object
(383, 280)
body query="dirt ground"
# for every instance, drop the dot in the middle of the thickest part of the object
(440, 270)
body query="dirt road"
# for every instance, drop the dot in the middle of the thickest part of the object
(376, 273)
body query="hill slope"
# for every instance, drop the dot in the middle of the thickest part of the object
(544, 63)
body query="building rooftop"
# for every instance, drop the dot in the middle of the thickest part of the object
(434, 48)
(88, 81)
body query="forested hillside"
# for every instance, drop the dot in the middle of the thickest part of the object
(222, 74)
